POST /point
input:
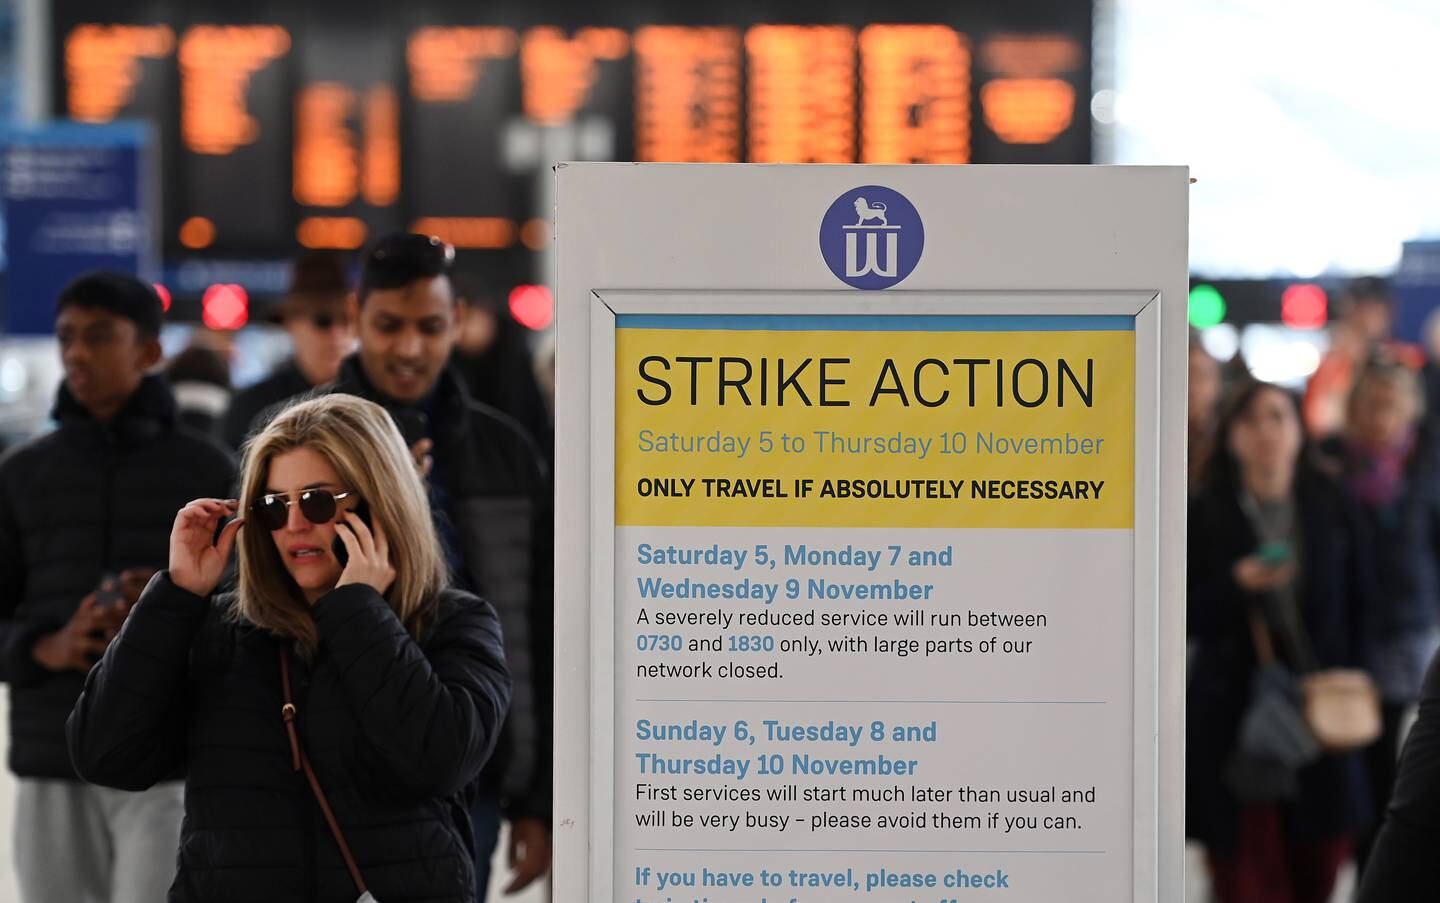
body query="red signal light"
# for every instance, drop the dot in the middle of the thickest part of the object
(225, 306)
(532, 306)
(164, 294)
(1304, 306)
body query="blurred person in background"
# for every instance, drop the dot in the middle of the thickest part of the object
(399, 678)
(85, 514)
(316, 313)
(1366, 318)
(492, 498)
(493, 356)
(1391, 469)
(200, 379)
(1204, 399)
(1270, 536)
(1430, 369)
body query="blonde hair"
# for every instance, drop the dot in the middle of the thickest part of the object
(363, 445)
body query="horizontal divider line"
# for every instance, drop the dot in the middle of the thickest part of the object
(793, 850)
(901, 701)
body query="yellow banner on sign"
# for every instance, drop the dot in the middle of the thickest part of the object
(997, 427)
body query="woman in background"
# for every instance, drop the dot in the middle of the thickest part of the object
(1269, 536)
(1204, 399)
(1391, 472)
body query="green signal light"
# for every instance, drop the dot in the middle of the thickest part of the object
(1207, 306)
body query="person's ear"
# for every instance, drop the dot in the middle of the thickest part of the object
(457, 319)
(150, 353)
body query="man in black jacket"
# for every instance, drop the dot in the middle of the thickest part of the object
(492, 499)
(85, 517)
(316, 314)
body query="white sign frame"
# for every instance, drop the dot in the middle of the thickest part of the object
(601, 275)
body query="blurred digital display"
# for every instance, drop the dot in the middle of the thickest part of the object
(322, 131)
(802, 93)
(687, 94)
(346, 160)
(105, 65)
(464, 85)
(235, 144)
(917, 94)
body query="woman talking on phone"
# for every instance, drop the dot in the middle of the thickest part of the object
(328, 713)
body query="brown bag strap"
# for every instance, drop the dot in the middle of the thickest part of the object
(301, 761)
(1260, 636)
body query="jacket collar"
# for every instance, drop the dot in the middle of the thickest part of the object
(446, 408)
(149, 412)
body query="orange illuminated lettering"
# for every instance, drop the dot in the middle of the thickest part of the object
(535, 234)
(1031, 56)
(446, 63)
(1028, 110)
(197, 232)
(604, 43)
(556, 74)
(915, 95)
(216, 64)
(486, 232)
(687, 94)
(802, 93)
(327, 166)
(102, 66)
(1030, 102)
(345, 233)
(381, 174)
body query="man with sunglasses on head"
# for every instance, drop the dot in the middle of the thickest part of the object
(491, 496)
(316, 313)
(85, 518)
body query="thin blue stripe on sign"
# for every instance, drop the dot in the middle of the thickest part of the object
(879, 323)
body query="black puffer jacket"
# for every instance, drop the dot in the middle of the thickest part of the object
(86, 499)
(1403, 867)
(1336, 586)
(493, 498)
(394, 728)
(249, 405)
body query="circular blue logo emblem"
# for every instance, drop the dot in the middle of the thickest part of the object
(871, 237)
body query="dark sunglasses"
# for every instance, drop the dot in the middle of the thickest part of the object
(411, 251)
(318, 506)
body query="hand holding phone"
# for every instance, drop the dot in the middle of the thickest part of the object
(369, 560)
(342, 554)
(109, 593)
(1269, 569)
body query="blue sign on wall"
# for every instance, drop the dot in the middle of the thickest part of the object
(76, 198)
(1417, 289)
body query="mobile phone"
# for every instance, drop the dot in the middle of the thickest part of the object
(1274, 553)
(342, 554)
(412, 424)
(109, 592)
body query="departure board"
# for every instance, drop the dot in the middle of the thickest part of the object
(687, 94)
(234, 135)
(325, 126)
(801, 93)
(464, 86)
(347, 160)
